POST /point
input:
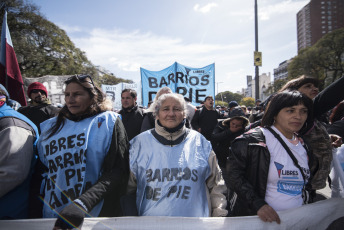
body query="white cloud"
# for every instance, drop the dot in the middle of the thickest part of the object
(204, 9)
(124, 52)
(269, 10)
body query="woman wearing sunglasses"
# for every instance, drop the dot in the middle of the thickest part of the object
(85, 150)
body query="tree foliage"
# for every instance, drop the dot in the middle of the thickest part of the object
(248, 101)
(324, 60)
(42, 48)
(228, 96)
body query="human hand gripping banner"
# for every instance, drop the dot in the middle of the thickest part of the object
(194, 83)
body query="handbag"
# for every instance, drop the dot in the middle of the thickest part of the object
(305, 193)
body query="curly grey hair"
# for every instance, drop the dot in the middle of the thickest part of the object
(158, 103)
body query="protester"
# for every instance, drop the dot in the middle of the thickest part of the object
(77, 183)
(231, 106)
(148, 120)
(174, 171)
(205, 118)
(132, 115)
(18, 145)
(262, 172)
(40, 107)
(315, 134)
(225, 132)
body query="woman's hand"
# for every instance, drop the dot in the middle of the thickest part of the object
(268, 214)
(72, 216)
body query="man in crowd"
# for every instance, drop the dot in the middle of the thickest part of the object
(132, 115)
(231, 106)
(39, 108)
(17, 143)
(205, 118)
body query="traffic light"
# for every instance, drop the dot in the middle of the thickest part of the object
(257, 58)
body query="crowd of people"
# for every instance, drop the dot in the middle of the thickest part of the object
(173, 159)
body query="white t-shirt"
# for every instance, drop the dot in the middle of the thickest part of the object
(285, 181)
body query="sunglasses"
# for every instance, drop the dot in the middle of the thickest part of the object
(81, 78)
(37, 91)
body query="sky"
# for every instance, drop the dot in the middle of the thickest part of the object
(124, 35)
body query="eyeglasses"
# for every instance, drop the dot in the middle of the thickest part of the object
(81, 78)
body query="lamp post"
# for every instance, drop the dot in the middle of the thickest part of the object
(217, 83)
(256, 49)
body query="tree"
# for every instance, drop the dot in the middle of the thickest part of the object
(42, 48)
(324, 60)
(248, 101)
(228, 96)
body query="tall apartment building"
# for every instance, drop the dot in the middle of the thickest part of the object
(318, 18)
(281, 72)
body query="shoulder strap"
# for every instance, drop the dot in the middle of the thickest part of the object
(296, 163)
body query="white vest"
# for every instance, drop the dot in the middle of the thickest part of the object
(171, 181)
(74, 157)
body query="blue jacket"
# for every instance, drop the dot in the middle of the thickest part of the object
(14, 204)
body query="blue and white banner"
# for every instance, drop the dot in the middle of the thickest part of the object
(194, 83)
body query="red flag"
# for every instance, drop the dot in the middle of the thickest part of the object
(10, 75)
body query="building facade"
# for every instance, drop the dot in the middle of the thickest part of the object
(318, 18)
(264, 83)
(281, 72)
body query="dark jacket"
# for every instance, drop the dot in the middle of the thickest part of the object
(38, 114)
(206, 120)
(249, 162)
(337, 128)
(222, 138)
(132, 121)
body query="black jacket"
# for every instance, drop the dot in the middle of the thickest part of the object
(38, 114)
(132, 121)
(222, 138)
(206, 120)
(337, 128)
(249, 162)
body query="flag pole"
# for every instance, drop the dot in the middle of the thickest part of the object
(3, 5)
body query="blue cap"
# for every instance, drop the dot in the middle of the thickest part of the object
(232, 104)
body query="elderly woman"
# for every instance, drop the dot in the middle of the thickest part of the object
(174, 171)
(269, 166)
(85, 149)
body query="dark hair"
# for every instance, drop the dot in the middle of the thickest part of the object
(295, 84)
(287, 99)
(337, 112)
(98, 103)
(208, 97)
(132, 92)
